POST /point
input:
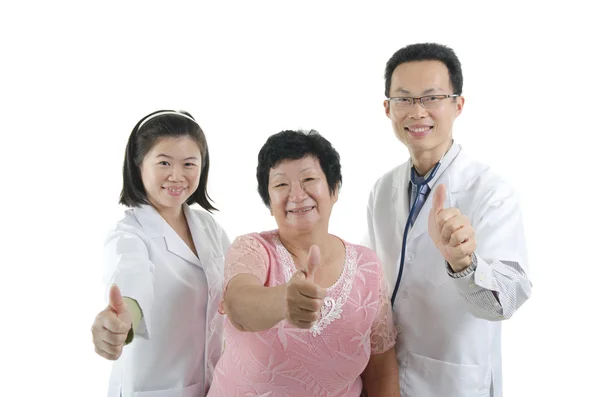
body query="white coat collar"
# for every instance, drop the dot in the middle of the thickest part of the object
(155, 226)
(401, 197)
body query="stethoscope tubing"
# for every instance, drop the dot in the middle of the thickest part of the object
(420, 186)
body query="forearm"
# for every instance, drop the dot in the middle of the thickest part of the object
(383, 386)
(380, 378)
(254, 308)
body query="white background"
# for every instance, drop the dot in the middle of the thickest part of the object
(75, 78)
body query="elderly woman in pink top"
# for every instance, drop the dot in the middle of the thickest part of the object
(308, 314)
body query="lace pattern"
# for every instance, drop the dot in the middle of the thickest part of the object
(337, 294)
(355, 323)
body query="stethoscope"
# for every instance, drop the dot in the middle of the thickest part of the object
(420, 185)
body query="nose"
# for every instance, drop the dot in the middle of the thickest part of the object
(297, 192)
(176, 173)
(417, 111)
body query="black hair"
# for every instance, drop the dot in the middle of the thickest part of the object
(426, 52)
(144, 136)
(293, 145)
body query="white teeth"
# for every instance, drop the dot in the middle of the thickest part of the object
(422, 129)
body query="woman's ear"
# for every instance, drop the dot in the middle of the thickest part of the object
(336, 192)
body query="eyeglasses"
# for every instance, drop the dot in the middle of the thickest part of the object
(428, 101)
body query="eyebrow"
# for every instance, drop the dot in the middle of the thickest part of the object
(169, 157)
(305, 169)
(426, 92)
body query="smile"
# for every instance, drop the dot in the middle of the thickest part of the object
(302, 210)
(175, 191)
(418, 129)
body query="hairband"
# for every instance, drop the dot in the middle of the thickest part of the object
(165, 113)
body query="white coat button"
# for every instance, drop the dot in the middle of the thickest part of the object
(472, 285)
(211, 327)
(410, 256)
(212, 292)
(399, 329)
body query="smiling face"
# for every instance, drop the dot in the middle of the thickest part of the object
(420, 129)
(299, 195)
(171, 172)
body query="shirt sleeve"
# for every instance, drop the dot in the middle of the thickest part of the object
(127, 264)
(136, 316)
(383, 331)
(246, 255)
(500, 284)
(495, 290)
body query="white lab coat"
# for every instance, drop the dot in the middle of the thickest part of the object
(449, 334)
(180, 337)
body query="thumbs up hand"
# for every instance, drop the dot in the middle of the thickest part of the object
(111, 326)
(451, 232)
(304, 298)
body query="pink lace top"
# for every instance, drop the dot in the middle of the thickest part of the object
(327, 360)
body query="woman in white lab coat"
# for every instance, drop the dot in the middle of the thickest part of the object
(164, 263)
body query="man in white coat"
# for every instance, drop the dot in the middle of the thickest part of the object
(463, 268)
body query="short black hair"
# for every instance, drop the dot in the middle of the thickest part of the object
(145, 134)
(426, 52)
(294, 145)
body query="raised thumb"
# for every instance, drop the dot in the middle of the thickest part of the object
(439, 196)
(115, 300)
(314, 261)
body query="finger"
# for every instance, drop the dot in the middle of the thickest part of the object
(295, 299)
(302, 315)
(452, 225)
(444, 216)
(462, 250)
(314, 260)
(108, 348)
(461, 236)
(100, 333)
(115, 325)
(309, 304)
(439, 196)
(115, 300)
(111, 338)
(311, 290)
(298, 320)
(106, 355)
(108, 320)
